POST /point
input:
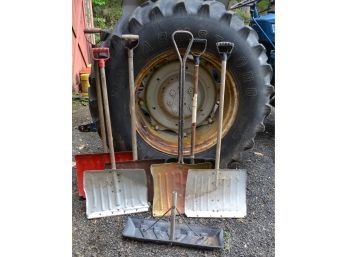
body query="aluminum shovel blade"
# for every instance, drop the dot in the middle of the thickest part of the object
(115, 192)
(169, 177)
(226, 200)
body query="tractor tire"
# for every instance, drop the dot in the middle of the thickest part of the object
(154, 22)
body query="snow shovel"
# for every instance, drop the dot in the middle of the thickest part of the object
(165, 232)
(214, 192)
(96, 161)
(131, 42)
(114, 191)
(169, 177)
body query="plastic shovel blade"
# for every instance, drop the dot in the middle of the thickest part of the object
(95, 161)
(169, 177)
(226, 200)
(115, 192)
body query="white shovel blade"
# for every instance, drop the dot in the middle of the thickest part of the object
(227, 200)
(115, 192)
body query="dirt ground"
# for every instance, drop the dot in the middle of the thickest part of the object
(249, 237)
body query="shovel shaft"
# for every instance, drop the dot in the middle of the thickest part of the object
(181, 89)
(100, 109)
(172, 220)
(181, 119)
(132, 104)
(221, 114)
(107, 117)
(225, 50)
(198, 48)
(194, 110)
(130, 42)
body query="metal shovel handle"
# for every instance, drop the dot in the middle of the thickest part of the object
(199, 46)
(188, 48)
(225, 50)
(131, 42)
(173, 213)
(181, 88)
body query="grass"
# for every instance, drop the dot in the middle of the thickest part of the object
(79, 100)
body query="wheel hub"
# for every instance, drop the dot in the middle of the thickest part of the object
(157, 103)
(162, 96)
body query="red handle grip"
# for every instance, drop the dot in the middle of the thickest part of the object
(101, 59)
(100, 50)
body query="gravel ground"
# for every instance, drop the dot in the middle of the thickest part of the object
(249, 237)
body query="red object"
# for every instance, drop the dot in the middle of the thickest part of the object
(95, 161)
(86, 70)
(100, 50)
(97, 57)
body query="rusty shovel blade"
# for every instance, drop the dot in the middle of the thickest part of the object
(169, 177)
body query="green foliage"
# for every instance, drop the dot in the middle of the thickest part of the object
(263, 5)
(245, 15)
(106, 13)
(99, 22)
(99, 2)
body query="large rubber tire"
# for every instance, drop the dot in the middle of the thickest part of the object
(248, 65)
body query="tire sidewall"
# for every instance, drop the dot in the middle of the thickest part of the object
(155, 38)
